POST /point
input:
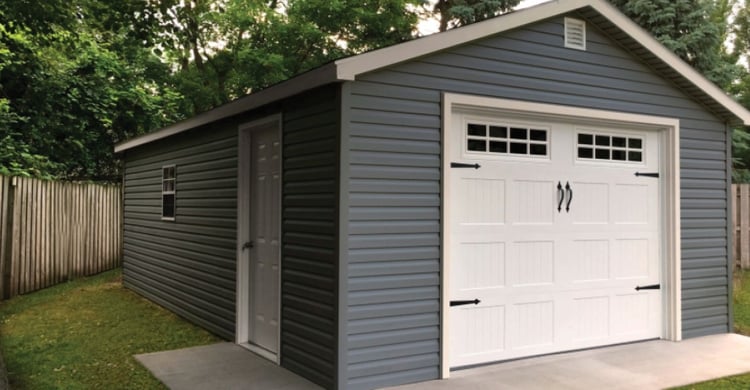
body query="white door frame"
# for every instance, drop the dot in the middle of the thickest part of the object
(244, 206)
(669, 129)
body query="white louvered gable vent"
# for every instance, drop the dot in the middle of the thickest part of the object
(575, 34)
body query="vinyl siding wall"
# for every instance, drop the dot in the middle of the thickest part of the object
(189, 266)
(393, 220)
(309, 228)
(186, 265)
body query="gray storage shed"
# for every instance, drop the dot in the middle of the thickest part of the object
(549, 180)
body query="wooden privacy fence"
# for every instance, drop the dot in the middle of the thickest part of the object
(51, 232)
(741, 221)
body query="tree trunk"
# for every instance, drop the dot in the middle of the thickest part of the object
(442, 8)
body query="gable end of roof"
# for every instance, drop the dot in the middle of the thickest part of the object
(599, 12)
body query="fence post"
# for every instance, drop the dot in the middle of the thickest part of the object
(7, 236)
(744, 225)
(735, 221)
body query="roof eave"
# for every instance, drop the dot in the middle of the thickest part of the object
(304, 82)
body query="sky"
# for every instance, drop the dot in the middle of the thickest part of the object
(427, 27)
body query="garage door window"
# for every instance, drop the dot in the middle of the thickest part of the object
(493, 139)
(607, 147)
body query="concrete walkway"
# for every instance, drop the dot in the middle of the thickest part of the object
(220, 366)
(646, 365)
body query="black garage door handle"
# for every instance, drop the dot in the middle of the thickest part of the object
(569, 189)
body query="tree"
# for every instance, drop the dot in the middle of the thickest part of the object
(224, 49)
(696, 30)
(455, 13)
(71, 87)
(692, 29)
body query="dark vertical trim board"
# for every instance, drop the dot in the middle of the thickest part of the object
(309, 230)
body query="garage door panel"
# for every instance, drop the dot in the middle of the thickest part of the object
(592, 318)
(533, 202)
(632, 314)
(532, 263)
(591, 203)
(549, 279)
(483, 200)
(482, 266)
(631, 259)
(591, 261)
(632, 204)
(533, 324)
(479, 333)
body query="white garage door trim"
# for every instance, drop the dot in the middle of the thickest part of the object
(669, 129)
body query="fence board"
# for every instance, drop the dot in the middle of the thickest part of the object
(51, 232)
(6, 209)
(741, 223)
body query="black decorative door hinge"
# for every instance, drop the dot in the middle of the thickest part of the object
(639, 174)
(649, 287)
(462, 165)
(461, 303)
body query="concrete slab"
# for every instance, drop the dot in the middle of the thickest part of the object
(220, 366)
(646, 365)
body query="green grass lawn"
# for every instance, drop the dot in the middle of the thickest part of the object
(741, 325)
(83, 335)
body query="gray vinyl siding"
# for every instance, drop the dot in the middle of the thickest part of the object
(394, 183)
(186, 265)
(309, 228)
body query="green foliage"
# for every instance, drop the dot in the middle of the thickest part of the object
(741, 156)
(83, 335)
(693, 29)
(265, 42)
(455, 13)
(696, 30)
(77, 76)
(72, 88)
(17, 160)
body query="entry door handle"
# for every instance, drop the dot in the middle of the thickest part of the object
(569, 190)
(248, 245)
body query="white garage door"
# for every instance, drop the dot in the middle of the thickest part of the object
(550, 232)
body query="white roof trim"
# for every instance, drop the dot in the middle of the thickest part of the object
(347, 69)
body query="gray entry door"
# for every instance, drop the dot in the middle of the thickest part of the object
(265, 231)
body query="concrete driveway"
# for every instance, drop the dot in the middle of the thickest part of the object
(645, 365)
